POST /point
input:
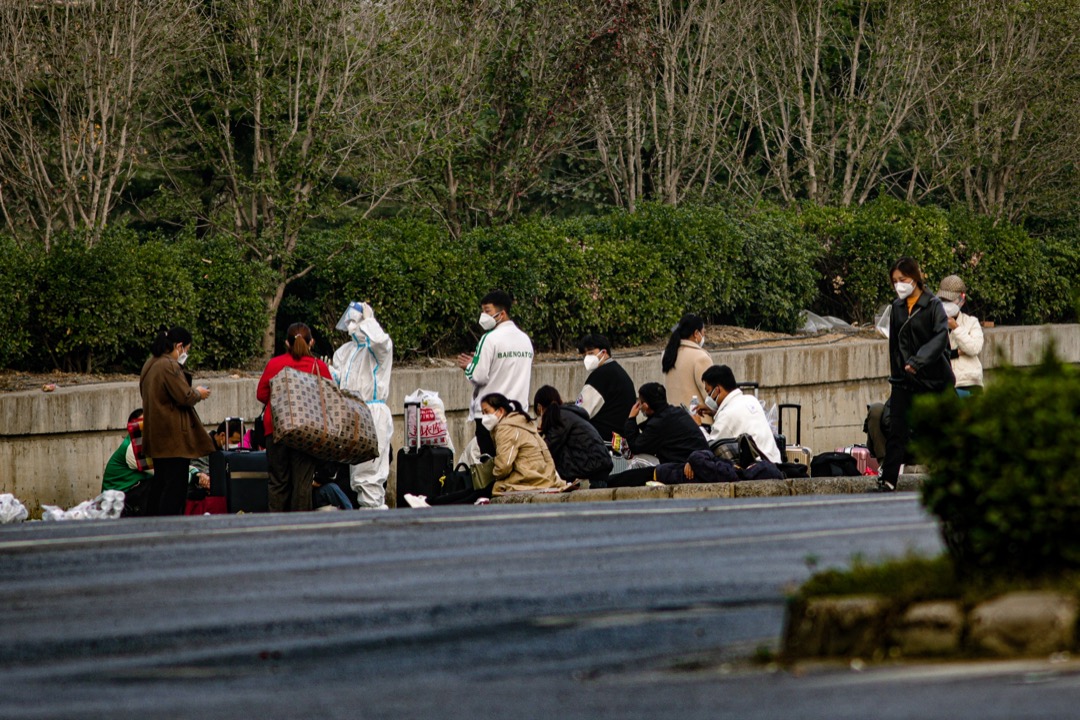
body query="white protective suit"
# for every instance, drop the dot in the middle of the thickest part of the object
(362, 365)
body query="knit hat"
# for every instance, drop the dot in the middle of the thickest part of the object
(951, 288)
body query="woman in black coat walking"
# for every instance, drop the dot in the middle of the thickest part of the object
(575, 446)
(918, 358)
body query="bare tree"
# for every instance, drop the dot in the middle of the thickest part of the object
(297, 113)
(80, 84)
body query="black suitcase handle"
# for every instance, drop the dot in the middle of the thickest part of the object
(798, 420)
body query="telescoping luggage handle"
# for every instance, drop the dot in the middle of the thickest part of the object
(412, 409)
(227, 421)
(798, 420)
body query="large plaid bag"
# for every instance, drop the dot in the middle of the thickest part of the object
(313, 415)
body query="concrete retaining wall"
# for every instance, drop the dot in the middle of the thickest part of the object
(53, 446)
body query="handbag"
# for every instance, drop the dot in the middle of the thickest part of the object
(313, 415)
(483, 473)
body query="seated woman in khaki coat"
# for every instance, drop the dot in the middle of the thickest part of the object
(522, 462)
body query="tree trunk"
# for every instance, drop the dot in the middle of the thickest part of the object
(272, 304)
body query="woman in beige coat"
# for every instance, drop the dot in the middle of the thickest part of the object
(685, 360)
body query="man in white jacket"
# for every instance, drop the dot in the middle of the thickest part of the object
(735, 413)
(501, 363)
(362, 365)
(965, 337)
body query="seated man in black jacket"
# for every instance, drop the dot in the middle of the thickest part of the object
(668, 433)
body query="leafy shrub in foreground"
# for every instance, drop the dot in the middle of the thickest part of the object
(1003, 465)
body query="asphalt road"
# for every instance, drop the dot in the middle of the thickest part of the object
(622, 610)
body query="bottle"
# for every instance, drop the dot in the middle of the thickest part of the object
(693, 404)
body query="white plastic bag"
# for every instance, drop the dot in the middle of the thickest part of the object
(106, 506)
(881, 320)
(11, 510)
(434, 429)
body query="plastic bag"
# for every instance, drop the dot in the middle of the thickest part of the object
(11, 510)
(434, 429)
(812, 323)
(106, 506)
(881, 320)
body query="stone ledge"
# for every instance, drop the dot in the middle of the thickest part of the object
(1014, 625)
(709, 491)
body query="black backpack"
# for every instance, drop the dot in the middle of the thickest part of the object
(834, 464)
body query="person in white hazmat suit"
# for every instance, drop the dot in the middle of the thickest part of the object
(362, 365)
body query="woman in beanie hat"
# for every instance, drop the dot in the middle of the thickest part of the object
(965, 337)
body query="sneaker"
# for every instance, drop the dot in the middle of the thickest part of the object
(653, 483)
(416, 501)
(886, 486)
(482, 501)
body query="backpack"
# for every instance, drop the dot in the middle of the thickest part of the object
(834, 464)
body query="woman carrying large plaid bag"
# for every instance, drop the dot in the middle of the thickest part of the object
(291, 470)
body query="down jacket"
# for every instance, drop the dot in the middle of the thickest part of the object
(576, 446)
(522, 460)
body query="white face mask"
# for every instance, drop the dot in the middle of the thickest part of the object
(951, 309)
(489, 421)
(486, 322)
(904, 290)
(182, 358)
(701, 343)
(591, 362)
(710, 403)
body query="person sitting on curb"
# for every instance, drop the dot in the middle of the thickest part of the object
(574, 444)
(122, 473)
(734, 413)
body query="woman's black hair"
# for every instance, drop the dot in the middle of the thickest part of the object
(910, 267)
(688, 325)
(549, 399)
(498, 401)
(166, 340)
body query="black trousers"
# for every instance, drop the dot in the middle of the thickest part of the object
(631, 478)
(484, 440)
(291, 472)
(167, 494)
(896, 442)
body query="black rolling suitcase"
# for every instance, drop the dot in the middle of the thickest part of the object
(419, 467)
(242, 476)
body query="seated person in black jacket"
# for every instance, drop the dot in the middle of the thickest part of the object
(668, 433)
(575, 446)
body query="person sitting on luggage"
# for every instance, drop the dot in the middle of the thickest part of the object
(734, 413)
(522, 462)
(965, 337)
(608, 392)
(574, 444)
(122, 473)
(199, 482)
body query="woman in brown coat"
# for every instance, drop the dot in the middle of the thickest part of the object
(173, 434)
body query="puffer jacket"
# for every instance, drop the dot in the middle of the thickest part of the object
(522, 460)
(967, 342)
(922, 341)
(576, 446)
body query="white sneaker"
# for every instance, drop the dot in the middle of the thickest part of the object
(482, 501)
(416, 501)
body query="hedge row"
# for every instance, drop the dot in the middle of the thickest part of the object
(629, 276)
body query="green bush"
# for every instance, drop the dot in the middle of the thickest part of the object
(425, 286)
(860, 244)
(230, 312)
(18, 275)
(1003, 465)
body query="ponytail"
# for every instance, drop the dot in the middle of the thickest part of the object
(298, 340)
(688, 325)
(498, 401)
(549, 399)
(166, 340)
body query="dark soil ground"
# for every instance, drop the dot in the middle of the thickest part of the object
(718, 337)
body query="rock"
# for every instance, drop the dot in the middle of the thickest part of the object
(1024, 624)
(929, 628)
(836, 627)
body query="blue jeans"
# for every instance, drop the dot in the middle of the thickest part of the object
(330, 494)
